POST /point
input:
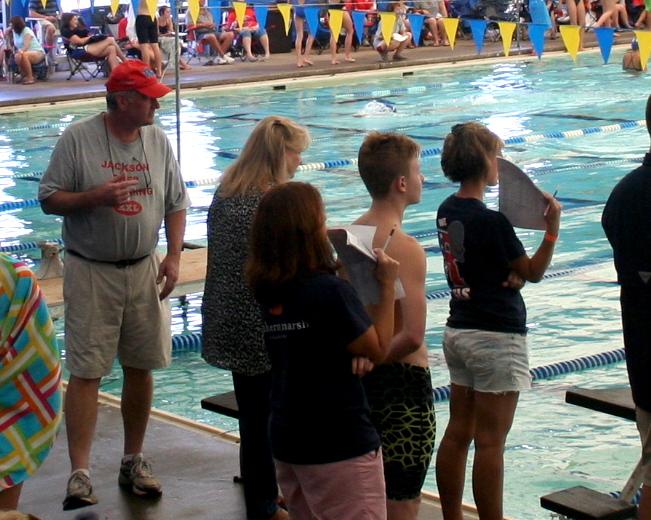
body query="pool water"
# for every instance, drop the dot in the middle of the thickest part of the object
(552, 445)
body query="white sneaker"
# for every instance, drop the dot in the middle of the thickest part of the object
(221, 61)
(228, 59)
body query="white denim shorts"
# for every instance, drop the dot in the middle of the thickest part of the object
(487, 361)
(643, 419)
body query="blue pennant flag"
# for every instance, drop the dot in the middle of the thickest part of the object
(605, 37)
(359, 19)
(539, 13)
(312, 17)
(175, 14)
(537, 37)
(136, 6)
(416, 22)
(478, 28)
(261, 14)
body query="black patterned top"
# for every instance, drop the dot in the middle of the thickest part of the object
(232, 322)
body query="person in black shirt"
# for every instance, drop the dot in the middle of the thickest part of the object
(318, 333)
(485, 339)
(627, 223)
(80, 41)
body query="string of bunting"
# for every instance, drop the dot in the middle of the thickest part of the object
(570, 34)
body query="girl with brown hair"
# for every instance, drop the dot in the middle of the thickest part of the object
(317, 331)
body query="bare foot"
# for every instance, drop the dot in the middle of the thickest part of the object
(334, 62)
(349, 59)
(308, 62)
(300, 65)
(28, 81)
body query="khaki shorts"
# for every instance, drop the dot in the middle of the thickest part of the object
(643, 419)
(114, 311)
(486, 361)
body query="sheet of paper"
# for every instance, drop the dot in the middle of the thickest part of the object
(520, 199)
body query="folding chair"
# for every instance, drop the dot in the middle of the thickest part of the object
(79, 61)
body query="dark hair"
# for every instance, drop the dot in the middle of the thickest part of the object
(161, 9)
(17, 24)
(467, 150)
(382, 158)
(287, 240)
(66, 18)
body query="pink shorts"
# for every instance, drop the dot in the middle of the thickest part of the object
(351, 489)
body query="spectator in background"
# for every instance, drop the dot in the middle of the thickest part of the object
(27, 49)
(346, 25)
(299, 24)
(98, 46)
(166, 36)
(206, 31)
(147, 32)
(48, 18)
(28, 352)
(250, 30)
(434, 11)
(400, 36)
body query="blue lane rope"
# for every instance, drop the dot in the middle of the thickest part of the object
(431, 152)
(442, 393)
(191, 342)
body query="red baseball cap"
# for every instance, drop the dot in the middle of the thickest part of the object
(136, 75)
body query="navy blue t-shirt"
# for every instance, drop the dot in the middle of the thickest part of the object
(319, 409)
(478, 245)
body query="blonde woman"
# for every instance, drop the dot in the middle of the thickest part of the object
(232, 322)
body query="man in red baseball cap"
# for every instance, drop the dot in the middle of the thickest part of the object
(114, 179)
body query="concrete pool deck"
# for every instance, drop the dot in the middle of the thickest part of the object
(195, 463)
(279, 67)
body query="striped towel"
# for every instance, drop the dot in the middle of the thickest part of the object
(30, 375)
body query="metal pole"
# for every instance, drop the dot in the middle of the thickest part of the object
(177, 80)
(4, 16)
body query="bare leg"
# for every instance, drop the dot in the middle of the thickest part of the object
(453, 451)
(158, 60)
(246, 43)
(147, 54)
(348, 42)
(81, 417)
(494, 417)
(137, 393)
(298, 43)
(403, 509)
(212, 40)
(264, 40)
(333, 49)
(9, 498)
(402, 45)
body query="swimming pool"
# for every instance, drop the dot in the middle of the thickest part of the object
(552, 445)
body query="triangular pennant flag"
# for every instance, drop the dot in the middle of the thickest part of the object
(135, 4)
(571, 35)
(388, 20)
(285, 11)
(605, 37)
(416, 22)
(644, 41)
(240, 9)
(506, 33)
(645, 275)
(193, 8)
(175, 13)
(115, 5)
(261, 14)
(451, 25)
(539, 13)
(44, 2)
(537, 37)
(336, 19)
(152, 6)
(478, 29)
(312, 18)
(359, 19)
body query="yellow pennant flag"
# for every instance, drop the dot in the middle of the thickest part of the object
(44, 2)
(336, 20)
(240, 9)
(644, 41)
(388, 20)
(571, 35)
(506, 32)
(152, 5)
(286, 11)
(115, 5)
(193, 9)
(451, 25)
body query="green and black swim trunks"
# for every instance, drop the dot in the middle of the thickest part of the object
(402, 410)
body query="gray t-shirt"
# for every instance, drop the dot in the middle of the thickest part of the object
(84, 159)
